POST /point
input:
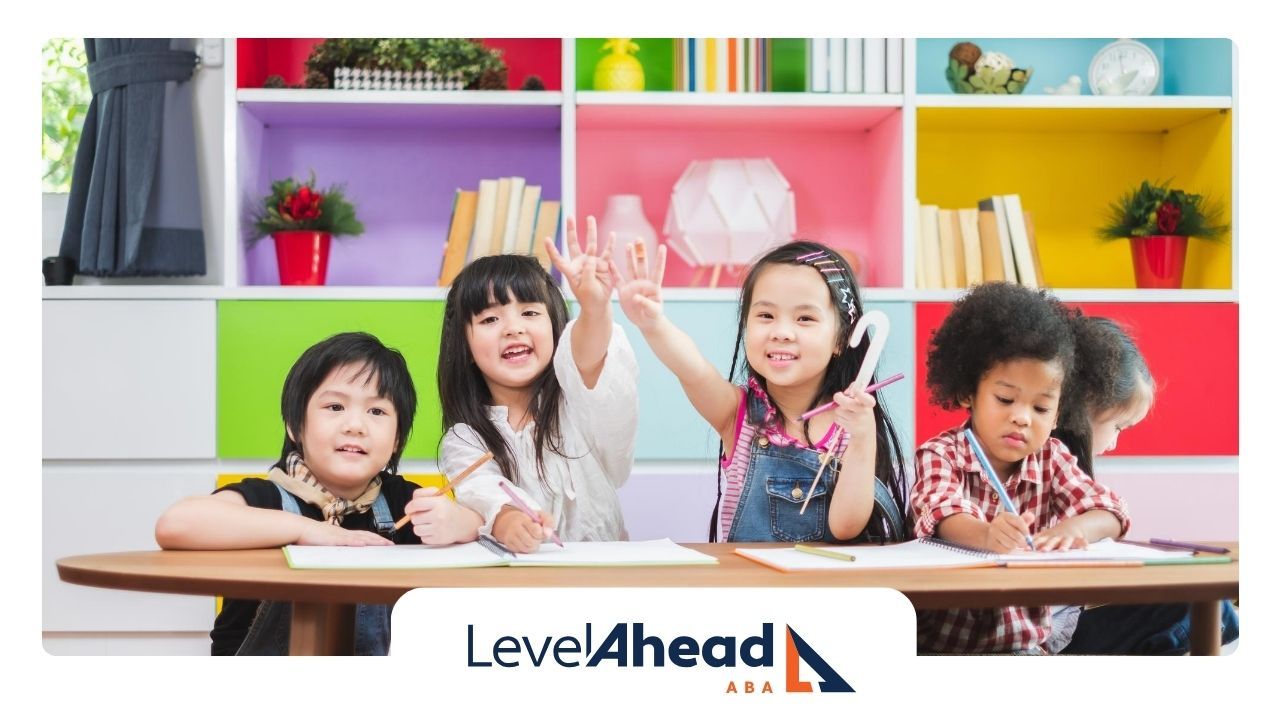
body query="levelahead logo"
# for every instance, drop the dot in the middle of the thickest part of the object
(639, 648)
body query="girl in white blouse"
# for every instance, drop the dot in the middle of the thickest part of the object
(559, 417)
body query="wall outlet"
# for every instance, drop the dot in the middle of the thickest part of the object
(211, 52)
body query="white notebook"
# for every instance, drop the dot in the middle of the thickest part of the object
(935, 554)
(489, 553)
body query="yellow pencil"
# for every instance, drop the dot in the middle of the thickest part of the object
(461, 476)
(833, 554)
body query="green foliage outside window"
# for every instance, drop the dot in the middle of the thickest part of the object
(64, 99)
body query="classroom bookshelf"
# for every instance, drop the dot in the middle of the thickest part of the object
(200, 366)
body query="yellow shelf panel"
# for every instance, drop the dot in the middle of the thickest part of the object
(1068, 166)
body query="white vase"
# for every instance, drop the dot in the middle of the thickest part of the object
(624, 217)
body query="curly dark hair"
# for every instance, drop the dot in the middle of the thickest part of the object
(995, 323)
(1110, 372)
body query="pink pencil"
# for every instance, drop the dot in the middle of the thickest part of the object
(870, 388)
(526, 509)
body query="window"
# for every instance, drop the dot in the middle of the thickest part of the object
(65, 99)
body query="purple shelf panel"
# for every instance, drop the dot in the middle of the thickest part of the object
(402, 182)
(381, 115)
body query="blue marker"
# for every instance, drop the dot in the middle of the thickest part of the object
(993, 478)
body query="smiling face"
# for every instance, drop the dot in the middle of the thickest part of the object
(792, 327)
(512, 345)
(1015, 409)
(350, 431)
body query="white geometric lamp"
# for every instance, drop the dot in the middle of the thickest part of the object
(729, 211)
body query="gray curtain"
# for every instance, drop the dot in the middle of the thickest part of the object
(134, 208)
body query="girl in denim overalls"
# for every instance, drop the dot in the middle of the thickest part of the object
(837, 476)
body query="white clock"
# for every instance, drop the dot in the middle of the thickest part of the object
(1125, 67)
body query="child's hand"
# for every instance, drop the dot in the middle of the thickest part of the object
(1008, 532)
(855, 413)
(1063, 536)
(518, 532)
(318, 532)
(590, 272)
(640, 296)
(437, 520)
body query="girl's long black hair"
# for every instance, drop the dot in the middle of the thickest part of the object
(464, 394)
(841, 371)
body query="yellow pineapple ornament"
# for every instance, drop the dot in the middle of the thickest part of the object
(619, 70)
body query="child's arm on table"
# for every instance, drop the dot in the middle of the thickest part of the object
(223, 521)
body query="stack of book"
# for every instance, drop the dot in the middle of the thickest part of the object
(855, 65)
(723, 65)
(505, 215)
(995, 241)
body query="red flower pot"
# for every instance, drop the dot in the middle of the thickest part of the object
(303, 256)
(1158, 260)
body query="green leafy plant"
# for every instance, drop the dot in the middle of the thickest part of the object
(1155, 209)
(477, 66)
(64, 95)
(294, 205)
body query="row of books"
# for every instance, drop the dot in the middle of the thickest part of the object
(855, 65)
(506, 215)
(723, 65)
(995, 241)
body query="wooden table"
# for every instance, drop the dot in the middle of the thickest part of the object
(324, 600)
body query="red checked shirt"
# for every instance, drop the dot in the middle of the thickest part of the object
(949, 481)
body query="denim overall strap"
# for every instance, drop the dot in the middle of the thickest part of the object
(269, 632)
(890, 511)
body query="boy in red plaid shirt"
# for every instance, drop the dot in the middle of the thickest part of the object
(1003, 354)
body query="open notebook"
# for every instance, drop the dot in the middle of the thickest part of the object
(488, 553)
(935, 554)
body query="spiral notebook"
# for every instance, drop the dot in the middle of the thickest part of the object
(489, 553)
(933, 553)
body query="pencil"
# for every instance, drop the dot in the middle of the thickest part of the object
(457, 479)
(833, 554)
(870, 389)
(515, 499)
(994, 479)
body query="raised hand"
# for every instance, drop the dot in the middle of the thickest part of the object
(641, 294)
(589, 270)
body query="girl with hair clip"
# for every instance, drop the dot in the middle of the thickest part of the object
(797, 310)
(553, 399)
(1111, 391)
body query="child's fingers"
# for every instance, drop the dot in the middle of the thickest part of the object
(591, 234)
(662, 265)
(556, 258)
(607, 250)
(613, 273)
(651, 308)
(571, 238)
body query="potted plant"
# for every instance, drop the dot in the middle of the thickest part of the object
(1157, 221)
(302, 220)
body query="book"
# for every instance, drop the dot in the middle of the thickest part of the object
(546, 226)
(949, 248)
(740, 64)
(502, 203)
(489, 553)
(836, 64)
(524, 242)
(1035, 248)
(967, 218)
(459, 239)
(893, 65)
(722, 64)
(930, 247)
(874, 55)
(819, 75)
(934, 553)
(989, 237)
(853, 65)
(515, 199)
(486, 206)
(1023, 260)
(1006, 244)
